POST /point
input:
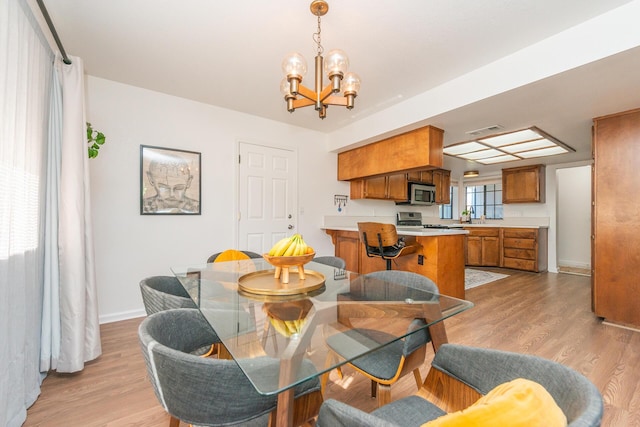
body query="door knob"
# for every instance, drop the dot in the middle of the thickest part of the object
(290, 227)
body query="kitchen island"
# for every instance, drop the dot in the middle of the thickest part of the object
(440, 258)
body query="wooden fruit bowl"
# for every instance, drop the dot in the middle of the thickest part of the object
(283, 263)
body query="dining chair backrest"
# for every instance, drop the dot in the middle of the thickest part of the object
(204, 391)
(333, 261)
(164, 293)
(459, 375)
(407, 279)
(388, 364)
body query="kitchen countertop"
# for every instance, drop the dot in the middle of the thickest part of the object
(472, 225)
(413, 231)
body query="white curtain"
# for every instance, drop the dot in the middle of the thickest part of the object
(79, 327)
(25, 73)
(48, 304)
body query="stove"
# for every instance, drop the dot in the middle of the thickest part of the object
(435, 226)
(414, 219)
(409, 219)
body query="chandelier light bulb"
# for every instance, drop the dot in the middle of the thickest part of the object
(336, 62)
(285, 88)
(351, 83)
(294, 65)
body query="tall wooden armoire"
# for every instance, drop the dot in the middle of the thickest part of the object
(616, 218)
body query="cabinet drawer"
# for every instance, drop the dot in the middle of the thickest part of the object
(519, 233)
(483, 232)
(529, 254)
(520, 264)
(519, 243)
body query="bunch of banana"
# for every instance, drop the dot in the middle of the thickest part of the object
(287, 327)
(291, 246)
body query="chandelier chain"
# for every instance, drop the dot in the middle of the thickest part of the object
(317, 38)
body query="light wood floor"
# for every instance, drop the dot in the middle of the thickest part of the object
(544, 314)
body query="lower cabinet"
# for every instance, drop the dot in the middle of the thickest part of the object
(524, 248)
(347, 247)
(483, 247)
(517, 248)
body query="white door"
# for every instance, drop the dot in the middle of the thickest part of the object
(267, 196)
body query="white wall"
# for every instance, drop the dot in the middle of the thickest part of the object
(130, 246)
(574, 216)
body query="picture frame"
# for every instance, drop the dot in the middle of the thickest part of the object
(170, 181)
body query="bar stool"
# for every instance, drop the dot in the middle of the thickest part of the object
(381, 240)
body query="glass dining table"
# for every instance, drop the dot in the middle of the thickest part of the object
(255, 315)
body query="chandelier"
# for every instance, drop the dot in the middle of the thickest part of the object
(335, 66)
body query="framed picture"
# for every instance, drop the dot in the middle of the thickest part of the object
(169, 181)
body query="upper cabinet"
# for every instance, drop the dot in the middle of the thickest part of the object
(414, 150)
(388, 187)
(525, 184)
(395, 186)
(442, 181)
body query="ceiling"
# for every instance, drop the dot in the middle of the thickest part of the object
(229, 54)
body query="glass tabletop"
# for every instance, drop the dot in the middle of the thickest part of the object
(258, 327)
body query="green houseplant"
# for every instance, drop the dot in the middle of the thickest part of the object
(95, 139)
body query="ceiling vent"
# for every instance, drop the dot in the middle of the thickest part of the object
(492, 128)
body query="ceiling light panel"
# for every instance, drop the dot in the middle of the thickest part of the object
(498, 159)
(506, 147)
(551, 151)
(511, 138)
(483, 154)
(526, 146)
(466, 147)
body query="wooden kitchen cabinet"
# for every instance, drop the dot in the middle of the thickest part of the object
(482, 247)
(347, 246)
(387, 187)
(517, 248)
(421, 176)
(396, 186)
(524, 249)
(417, 149)
(442, 181)
(615, 247)
(525, 184)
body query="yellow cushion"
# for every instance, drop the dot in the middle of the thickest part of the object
(231, 255)
(517, 403)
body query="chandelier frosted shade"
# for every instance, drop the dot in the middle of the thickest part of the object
(335, 66)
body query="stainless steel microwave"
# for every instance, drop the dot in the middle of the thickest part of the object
(421, 194)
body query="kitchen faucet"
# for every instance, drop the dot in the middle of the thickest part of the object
(471, 212)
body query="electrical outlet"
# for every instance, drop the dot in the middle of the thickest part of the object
(420, 259)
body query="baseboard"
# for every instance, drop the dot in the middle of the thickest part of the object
(621, 325)
(574, 264)
(125, 315)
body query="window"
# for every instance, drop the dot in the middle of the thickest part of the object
(484, 200)
(447, 211)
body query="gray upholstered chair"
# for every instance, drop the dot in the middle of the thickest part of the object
(460, 375)
(250, 254)
(161, 293)
(390, 363)
(333, 261)
(210, 391)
